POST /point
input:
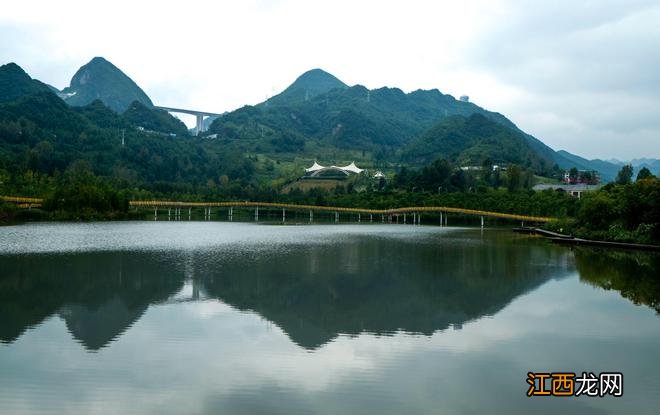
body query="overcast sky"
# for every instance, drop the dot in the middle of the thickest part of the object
(582, 76)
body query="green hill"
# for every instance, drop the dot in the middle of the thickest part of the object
(306, 86)
(386, 122)
(100, 79)
(257, 147)
(469, 141)
(154, 119)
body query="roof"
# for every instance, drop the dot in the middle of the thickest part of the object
(351, 168)
(315, 167)
(568, 187)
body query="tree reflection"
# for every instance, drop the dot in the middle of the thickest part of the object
(634, 274)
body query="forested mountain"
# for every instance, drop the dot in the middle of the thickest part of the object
(15, 83)
(154, 119)
(386, 122)
(100, 79)
(306, 86)
(471, 140)
(353, 117)
(317, 117)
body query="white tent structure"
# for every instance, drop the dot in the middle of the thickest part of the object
(317, 169)
(352, 168)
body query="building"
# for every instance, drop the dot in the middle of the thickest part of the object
(575, 176)
(576, 190)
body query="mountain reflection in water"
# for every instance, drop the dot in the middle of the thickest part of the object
(312, 292)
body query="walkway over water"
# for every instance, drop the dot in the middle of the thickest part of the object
(415, 210)
(155, 204)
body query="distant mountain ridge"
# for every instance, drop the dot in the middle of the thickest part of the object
(650, 163)
(100, 79)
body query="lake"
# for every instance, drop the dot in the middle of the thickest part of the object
(244, 318)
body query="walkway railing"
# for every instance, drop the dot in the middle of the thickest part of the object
(155, 204)
(396, 211)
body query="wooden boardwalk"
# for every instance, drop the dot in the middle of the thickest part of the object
(416, 210)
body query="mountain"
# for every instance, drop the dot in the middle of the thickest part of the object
(100, 79)
(381, 121)
(650, 163)
(306, 86)
(351, 117)
(471, 140)
(606, 169)
(15, 83)
(319, 110)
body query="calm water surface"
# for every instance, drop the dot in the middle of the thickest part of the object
(244, 318)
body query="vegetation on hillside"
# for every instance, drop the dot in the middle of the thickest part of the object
(88, 162)
(100, 79)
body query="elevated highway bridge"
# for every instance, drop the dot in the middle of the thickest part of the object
(199, 116)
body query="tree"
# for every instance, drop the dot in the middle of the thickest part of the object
(625, 174)
(645, 173)
(514, 180)
(487, 169)
(573, 175)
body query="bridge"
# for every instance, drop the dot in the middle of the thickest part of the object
(392, 215)
(395, 215)
(199, 116)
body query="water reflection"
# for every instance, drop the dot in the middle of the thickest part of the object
(313, 292)
(99, 295)
(633, 274)
(236, 318)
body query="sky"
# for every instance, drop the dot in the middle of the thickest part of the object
(580, 76)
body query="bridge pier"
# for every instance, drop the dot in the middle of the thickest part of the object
(189, 213)
(256, 214)
(311, 216)
(283, 215)
(336, 217)
(231, 214)
(371, 218)
(359, 218)
(155, 213)
(199, 123)
(404, 218)
(482, 222)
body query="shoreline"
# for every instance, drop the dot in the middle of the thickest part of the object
(563, 239)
